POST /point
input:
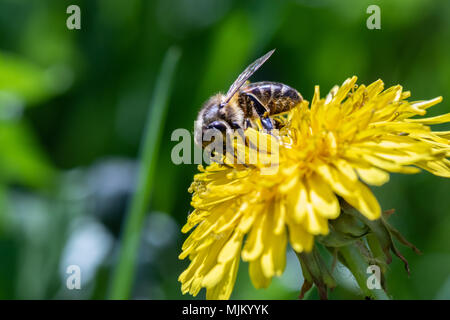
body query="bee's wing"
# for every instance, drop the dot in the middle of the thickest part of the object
(245, 75)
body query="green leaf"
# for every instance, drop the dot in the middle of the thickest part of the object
(123, 276)
(21, 158)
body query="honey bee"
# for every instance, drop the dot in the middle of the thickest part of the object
(245, 102)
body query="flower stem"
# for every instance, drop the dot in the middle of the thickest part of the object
(122, 279)
(356, 263)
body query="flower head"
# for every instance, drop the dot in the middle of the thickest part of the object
(329, 151)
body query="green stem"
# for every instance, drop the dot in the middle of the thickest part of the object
(358, 266)
(316, 272)
(123, 274)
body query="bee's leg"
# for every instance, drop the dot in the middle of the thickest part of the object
(262, 112)
(278, 123)
(267, 123)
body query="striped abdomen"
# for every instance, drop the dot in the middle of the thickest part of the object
(275, 97)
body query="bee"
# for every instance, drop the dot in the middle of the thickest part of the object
(245, 102)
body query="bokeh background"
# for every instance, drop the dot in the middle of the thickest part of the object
(73, 107)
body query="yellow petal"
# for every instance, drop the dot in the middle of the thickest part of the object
(432, 120)
(254, 245)
(301, 202)
(426, 104)
(279, 216)
(214, 276)
(365, 202)
(338, 181)
(229, 220)
(388, 165)
(373, 176)
(439, 168)
(267, 265)
(257, 276)
(279, 253)
(299, 238)
(346, 169)
(223, 290)
(231, 248)
(247, 220)
(323, 198)
(315, 224)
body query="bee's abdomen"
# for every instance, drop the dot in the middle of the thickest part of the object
(275, 96)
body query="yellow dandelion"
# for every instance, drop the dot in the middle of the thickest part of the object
(333, 149)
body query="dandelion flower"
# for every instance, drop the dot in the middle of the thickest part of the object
(328, 151)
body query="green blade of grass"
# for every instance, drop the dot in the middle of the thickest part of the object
(122, 279)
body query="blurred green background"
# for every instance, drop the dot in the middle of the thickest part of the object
(73, 106)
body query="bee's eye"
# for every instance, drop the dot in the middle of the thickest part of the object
(235, 125)
(219, 125)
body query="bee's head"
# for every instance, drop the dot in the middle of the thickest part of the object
(212, 116)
